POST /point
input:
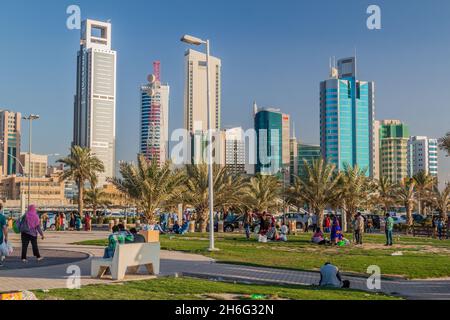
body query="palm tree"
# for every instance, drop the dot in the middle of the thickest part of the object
(386, 191)
(354, 191)
(150, 185)
(424, 187)
(262, 193)
(405, 193)
(319, 186)
(444, 143)
(294, 194)
(227, 188)
(81, 166)
(441, 201)
(96, 197)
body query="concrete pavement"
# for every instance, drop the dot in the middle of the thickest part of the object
(55, 276)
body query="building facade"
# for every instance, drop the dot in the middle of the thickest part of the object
(195, 95)
(308, 153)
(10, 135)
(347, 108)
(422, 155)
(95, 98)
(393, 144)
(39, 164)
(269, 133)
(235, 158)
(154, 127)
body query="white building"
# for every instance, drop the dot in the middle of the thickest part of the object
(95, 99)
(422, 155)
(195, 97)
(154, 130)
(235, 150)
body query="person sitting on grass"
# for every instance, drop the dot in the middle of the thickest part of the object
(176, 228)
(318, 237)
(331, 277)
(283, 232)
(341, 240)
(138, 238)
(184, 228)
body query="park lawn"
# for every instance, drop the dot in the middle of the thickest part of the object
(421, 259)
(196, 289)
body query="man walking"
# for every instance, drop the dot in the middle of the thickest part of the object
(389, 229)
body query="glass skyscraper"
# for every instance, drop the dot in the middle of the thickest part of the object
(347, 118)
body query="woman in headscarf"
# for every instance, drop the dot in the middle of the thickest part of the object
(335, 227)
(30, 227)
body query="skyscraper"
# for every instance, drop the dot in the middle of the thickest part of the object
(195, 95)
(273, 141)
(422, 155)
(10, 134)
(376, 150)
(235, 150)
(154, 130)
(308, 153)
(347, 118)
(95, 99)
(394, 137)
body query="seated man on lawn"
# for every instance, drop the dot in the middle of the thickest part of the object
(176, 228)
(318, 237)
(331, 277)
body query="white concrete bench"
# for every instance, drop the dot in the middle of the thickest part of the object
(128, 256)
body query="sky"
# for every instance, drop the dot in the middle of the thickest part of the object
(274, 53)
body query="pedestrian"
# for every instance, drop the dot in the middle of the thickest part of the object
(44, 219)
(62, 221)
(389, 229)
(87, 222)
(78, 223)
(327, 224)
(440, 228)
(3, 232)
(30, 227)
(57, 223)
(359, 228)
(248, 219)
(334, 228)
(72, 222)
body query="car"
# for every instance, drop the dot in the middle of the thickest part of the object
(400, 220)
(300, 218)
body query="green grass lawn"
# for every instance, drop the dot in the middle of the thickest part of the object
(193, 289)
(422, 258)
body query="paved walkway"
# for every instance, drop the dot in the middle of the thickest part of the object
(55, 276)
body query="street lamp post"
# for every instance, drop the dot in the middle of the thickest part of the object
(30, 118)
(197, 42)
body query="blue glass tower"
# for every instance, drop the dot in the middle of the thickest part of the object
(347, 118)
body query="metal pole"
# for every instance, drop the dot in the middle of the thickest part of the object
(210, 154)
(29, 164)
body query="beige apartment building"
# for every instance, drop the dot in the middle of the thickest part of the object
(46, 191)
(38, 165)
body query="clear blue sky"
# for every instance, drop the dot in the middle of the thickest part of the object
(273, 52)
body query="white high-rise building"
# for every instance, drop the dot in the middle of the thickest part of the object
(195, 95)
(235, 150)
(154, 131)
(422, 155)
(95, 99)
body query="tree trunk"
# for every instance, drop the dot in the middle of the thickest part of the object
(80, 198)
(203, 221)
(409, 218)
(344, 220)
(320, 217)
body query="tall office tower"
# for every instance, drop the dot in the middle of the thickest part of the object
(235, 150)
(347, 118)
(422, 155)
(195, 95)
(273, 135)
(95, 99)
(308, 153)
(10, 134)
(376, 150)
(154, 131)
(293, 165)
(199, 147)
(394, 137)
